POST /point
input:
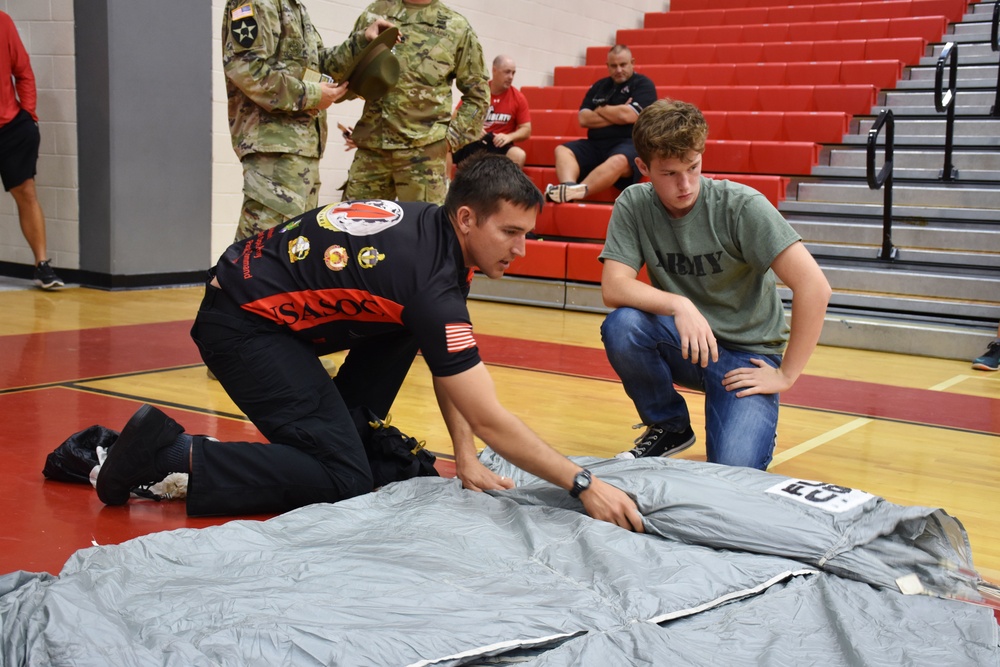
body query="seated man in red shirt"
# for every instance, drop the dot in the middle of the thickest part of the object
(381, 279)
(508, 119)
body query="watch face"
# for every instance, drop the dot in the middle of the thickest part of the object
(581, 482)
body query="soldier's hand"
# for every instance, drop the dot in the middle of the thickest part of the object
(608, 503)
(377, 28)
(331, 93)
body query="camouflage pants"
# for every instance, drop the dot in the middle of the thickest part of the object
(408, 174)
(276, 188)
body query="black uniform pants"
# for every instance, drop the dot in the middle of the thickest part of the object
(315, 453)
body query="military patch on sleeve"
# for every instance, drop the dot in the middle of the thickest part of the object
(245, 32)
(244, 11)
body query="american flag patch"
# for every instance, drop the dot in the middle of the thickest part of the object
(242, 12)
(459, 337)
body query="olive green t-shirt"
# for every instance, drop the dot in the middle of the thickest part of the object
(718, 255)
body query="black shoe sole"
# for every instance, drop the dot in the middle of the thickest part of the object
(131, 459)
(680, 448)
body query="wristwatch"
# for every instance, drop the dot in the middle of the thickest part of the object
(581, 482)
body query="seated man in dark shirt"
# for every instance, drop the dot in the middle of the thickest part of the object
(381, 279)
(606, 157)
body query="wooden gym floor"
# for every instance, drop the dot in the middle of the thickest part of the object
(915, 430)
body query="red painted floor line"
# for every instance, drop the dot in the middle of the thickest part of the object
(61, 356)
(919, 406)
(46, 358)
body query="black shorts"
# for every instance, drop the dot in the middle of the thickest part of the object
(484, 144)
(591, 153)
(19, 140)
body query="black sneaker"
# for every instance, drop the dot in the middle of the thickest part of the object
(989, 361)
(45, 277)
(657, 442)
(131, 461)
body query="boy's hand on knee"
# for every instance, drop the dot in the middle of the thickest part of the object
(698, 343)
(762, 379)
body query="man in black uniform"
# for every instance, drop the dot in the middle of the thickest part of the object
(608, 111)
(382, 279)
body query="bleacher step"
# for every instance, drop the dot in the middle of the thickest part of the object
(937, 257)
(984, 160)
(918, 213)
(977, 245)
(986, 129)
(925, 98)
(906, 198)
(966, 75)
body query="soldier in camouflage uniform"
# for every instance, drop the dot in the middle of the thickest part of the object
(404, 137)
(274, 62)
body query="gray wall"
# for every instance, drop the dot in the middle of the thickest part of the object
(144, 105)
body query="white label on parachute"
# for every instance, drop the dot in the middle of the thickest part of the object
(828, 497)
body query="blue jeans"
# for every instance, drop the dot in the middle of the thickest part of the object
(644, 350)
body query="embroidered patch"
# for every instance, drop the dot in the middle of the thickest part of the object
(335, 258)
(298, 249)
(245, 32)
(458, 336)
(360, 218)
(244, 11)
(369, 257)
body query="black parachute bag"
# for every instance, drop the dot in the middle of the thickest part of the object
(392, 455)
(73, 460)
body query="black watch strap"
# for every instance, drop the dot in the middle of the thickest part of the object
(581, 482)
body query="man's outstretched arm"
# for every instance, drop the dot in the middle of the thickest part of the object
(474, 396)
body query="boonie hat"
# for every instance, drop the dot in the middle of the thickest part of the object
(375, 70)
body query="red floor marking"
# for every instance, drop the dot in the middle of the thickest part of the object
(44, 522)
(919, 406)
(59, 356)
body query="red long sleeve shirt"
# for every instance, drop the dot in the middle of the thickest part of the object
(18, 93)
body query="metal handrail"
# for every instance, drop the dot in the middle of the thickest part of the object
(995, 46)
(944, 100)
(883, 178)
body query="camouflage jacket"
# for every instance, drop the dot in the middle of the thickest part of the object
(439, 47)
(267, 48)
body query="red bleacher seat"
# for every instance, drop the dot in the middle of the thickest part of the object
(727, 156)
(854, 99)
(540, 150)
(556, 122)
(785, 52)
(543, 223)
(907, 50)
(819, 126)
(717, 127)
(755, 125)
(836, 50)
(542, 259)
(785, 98)
(582, 221)
(759, 74)
(930, 28)
(767, 32)
(783, 157)
(798, 74)
(880, 73)
(582, 263)
(740, 98)
(841, 11)
(772, 187)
